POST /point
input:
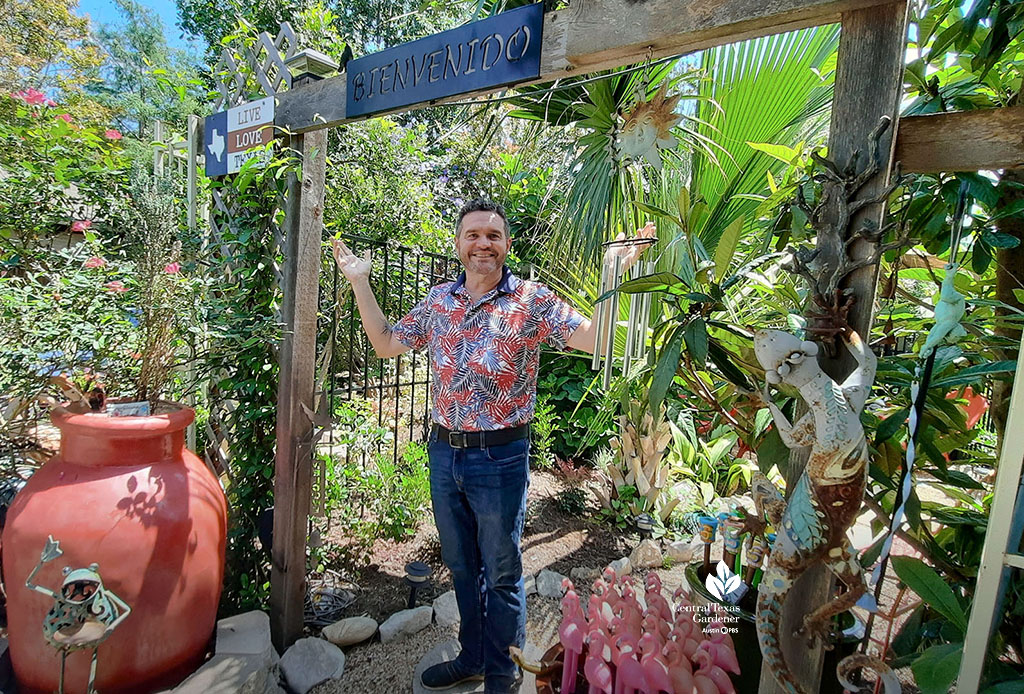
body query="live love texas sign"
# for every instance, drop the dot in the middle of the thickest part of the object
(234, 136)
(503, 49)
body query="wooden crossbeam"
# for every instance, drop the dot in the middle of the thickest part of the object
(968, 141)
(595, 35)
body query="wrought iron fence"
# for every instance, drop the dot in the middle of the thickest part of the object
(377, 406)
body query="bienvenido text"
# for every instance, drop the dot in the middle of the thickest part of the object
(445, 63)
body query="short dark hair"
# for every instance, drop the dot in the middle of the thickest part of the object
(482, 205)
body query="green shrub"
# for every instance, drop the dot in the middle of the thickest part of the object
(567, 384)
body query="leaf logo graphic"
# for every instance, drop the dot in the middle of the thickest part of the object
(725, 586)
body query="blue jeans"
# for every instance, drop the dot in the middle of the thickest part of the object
(479, 500)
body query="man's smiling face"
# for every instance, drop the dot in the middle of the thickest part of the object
(482, 243)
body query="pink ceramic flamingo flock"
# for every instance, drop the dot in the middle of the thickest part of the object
(635, 649)
(571, 633)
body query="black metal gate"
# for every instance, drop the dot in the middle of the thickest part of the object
(395, 393)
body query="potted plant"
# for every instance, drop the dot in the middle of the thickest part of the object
(114, 548)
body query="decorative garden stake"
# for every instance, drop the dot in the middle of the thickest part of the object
(757, 545)
(732, 535)
(708, 528)
(83, 615)
(571, 632)
(825, 500)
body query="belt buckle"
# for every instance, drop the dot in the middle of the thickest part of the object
(457, 439)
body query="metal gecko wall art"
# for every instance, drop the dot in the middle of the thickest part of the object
(827, 498)
(84, 613)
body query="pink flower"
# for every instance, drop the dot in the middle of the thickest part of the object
(81, 224)
(51, 103)
(95, 262)
(31, 96)
(112, 134)
(117, 287)
(172, 268)
(66, 117)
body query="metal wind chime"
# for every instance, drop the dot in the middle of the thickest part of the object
(606, 313)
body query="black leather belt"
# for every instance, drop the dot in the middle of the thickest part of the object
(481, 439)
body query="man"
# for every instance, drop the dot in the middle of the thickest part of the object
(484, 331)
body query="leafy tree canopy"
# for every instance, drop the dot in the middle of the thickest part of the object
(44, 45)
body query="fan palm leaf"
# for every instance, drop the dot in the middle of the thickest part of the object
(775, 89)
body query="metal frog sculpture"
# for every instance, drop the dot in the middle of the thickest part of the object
(84, 613)
(825, 500)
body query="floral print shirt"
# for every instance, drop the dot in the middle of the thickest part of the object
(484, 354)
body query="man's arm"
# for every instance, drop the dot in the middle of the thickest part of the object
(376, 326)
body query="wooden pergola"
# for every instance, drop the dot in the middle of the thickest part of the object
(594, 35)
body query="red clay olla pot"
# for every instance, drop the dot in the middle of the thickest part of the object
(124, 494)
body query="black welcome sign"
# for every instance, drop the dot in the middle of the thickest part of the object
(499, 50)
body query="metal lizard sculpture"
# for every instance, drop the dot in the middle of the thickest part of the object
(825, 500)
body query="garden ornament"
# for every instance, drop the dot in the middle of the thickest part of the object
(757, 546)
(826, 267)
(717, 633)
(680, 672)
(647, 128)
(825, 500)
(723, 656)
(949, 311)
(629, 676)
(84, 613)
(571, 633)
(708, 528)
(732, 534)
(595, 667)
(655, 665)
(707, 670)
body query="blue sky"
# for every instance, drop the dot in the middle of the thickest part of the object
(105, 12)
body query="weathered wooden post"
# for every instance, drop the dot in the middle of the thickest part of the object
(292, 470)
(869, 81)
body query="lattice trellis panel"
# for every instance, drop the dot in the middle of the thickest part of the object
(261, 73)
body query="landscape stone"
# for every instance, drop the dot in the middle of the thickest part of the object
(446, 609)
(549, 583)
(311, 661)
(621, 567)
(683, 552)
(246, 634)
(406, 622)
(530, 583)
(647, 555)
(350, 630)
(231, 674)
(582, 575)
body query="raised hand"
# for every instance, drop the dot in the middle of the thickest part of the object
(352, 266)
(628, 253)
